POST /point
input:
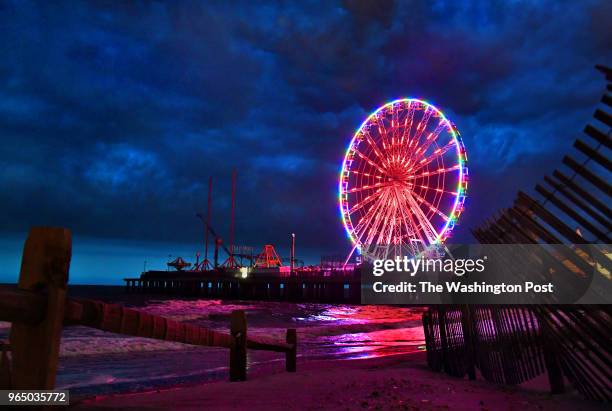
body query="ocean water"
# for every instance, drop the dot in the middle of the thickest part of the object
(95, 362)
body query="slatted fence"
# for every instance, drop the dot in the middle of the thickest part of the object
(513, 344)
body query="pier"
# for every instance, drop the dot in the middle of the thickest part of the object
(302, 286)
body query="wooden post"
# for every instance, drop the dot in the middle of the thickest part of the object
(290, 356)
(238, 353)
(468, 338)
(553, 368)
(5, 368)
(443, 340)
(35, 348)
(551, 359)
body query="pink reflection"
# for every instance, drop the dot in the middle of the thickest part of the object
(367, 314)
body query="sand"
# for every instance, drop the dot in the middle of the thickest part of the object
(400, 382)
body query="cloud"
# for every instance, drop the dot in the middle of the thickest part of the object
(113, 116)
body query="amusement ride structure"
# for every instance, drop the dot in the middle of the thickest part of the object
(402, 187)
(403, 180)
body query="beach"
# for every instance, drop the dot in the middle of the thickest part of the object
(93, 362)
(397, 382)
(349, 357)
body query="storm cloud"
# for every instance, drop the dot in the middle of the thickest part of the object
(113, 116)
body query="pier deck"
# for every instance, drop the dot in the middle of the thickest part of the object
(311, 286)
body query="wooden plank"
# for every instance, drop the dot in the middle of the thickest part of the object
(145, 327)
(603, 117)
(222, 340)
(594, 154)
(548, 258)
(266, 344)
(532, 267)
(5, 367)
(579, 241)
(35, 348)
(192, 334)
(605, 222)
(552, 363)
(607, 71)
(238, 352)
(129, 322)
(22, 306)
(443, 338)
(588, 175)
(171, 330)
(478, 236)
(531, 225)
(291, 355)
(573, 214)
(591, 199)
(598, 136)
(582, 326)
(589, 373)
(468, 334)
(550, 219)
(180, 332)
(111, 317)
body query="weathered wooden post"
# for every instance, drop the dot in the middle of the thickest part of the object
(35, 348)
(290, 356)
(551, 359)
(238, 353)
(468, 338)
(5, 367)
(443, 341)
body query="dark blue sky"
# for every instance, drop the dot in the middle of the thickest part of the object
(113, 116)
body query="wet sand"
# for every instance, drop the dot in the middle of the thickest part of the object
(398, 382)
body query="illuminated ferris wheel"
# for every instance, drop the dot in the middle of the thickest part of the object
(403, 181)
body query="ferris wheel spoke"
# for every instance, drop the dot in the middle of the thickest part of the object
(431, 137)
(439, 152)
(363, 203)
(375, 230)
(420, 128)
(394, 235)
(377, 227)
(389, 222)
(413, 230)
(430, 206)
(382, 131)
(422, 224)
(369, 161)
(368, 218)
(367, 187)
(435, 172)
(429, 231)
(439, 190)
(398, 133)
(372, 143)
(369, 228)
(363, 173)
(409, 119)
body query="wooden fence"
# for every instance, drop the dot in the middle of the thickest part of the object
(512, 344)
(39, 308)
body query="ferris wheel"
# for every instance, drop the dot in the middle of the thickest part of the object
(403, 181)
